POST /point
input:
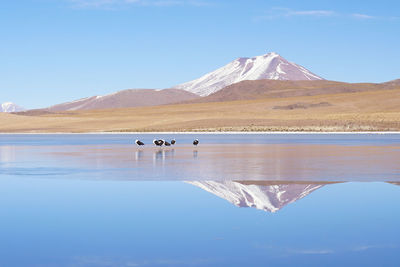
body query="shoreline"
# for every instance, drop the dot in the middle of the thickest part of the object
(202, 133)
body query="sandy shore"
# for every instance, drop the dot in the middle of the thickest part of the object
(205, 133)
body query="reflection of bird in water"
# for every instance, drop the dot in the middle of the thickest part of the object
(195, 154)
(173, 141)
(139, 143)
(163, 154)
(166, 143)
(169, 153)
(196, 142)
(139, 154)
(159, 154)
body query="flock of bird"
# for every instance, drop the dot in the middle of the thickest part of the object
(161, 142)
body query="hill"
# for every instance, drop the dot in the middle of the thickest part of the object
(377, 110)
(259, 89)
(125, 99)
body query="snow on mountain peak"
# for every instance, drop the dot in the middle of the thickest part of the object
(10, 107)
(268, 66)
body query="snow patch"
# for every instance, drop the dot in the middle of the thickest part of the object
(10, 107)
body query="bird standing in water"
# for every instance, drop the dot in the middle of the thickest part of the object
(173, 142)
(157, 142)
(196, 142)
(139, 143)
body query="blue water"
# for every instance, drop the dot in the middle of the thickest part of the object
(125, 139)
(96, 200)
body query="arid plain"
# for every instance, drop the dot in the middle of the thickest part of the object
(365, 110)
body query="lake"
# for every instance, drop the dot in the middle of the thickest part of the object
(233, 200)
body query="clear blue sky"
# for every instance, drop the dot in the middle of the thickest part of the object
(53, 51)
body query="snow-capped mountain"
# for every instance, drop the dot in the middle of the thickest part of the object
(10, 107)
(263, 197)
(269, 66)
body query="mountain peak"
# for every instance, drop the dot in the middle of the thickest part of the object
(271, 54)
(268, 66)
(10, 107)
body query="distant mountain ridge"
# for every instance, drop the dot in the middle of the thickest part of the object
(247, 90)
(265, 76)
(269, 66)
(126, 99)
(244, 90)
(10, 107)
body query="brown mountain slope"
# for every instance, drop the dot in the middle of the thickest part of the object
(394, 82)
(359, 111)
(125, 99)
(259, 89)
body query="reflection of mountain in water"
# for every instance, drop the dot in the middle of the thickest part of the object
(262, 195)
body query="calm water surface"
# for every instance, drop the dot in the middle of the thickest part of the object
(235, 200)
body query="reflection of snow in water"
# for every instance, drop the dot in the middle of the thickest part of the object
(7, 155)
(263, 197)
